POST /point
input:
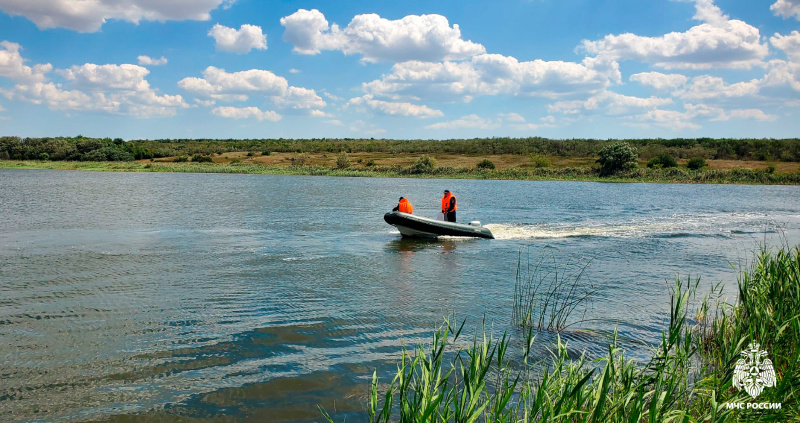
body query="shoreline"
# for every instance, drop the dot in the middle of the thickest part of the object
(742, 176)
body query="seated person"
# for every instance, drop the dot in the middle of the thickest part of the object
(404, 206)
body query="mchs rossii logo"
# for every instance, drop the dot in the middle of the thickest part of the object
(753, 373)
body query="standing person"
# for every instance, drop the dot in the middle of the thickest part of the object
(449, 206)
(404, 206)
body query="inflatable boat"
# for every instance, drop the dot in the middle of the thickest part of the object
(414, 226)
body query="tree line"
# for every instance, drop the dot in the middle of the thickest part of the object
(106, 149)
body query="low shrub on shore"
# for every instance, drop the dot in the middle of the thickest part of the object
(538, 160)
(425, 164)
(662, 161)
(696, 163)
(616, 158)
(342, 161)
(485, 164)
(689, 377)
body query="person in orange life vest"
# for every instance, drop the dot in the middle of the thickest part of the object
(404, 206)
(449, 206)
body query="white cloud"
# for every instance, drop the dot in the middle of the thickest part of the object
(236, 86)
(517, 121)
(488, 74)
(719, 42)
(331, 97)
(117, 77)
(336, 122)
(205, 103)
(52, 96)
(750, 114)
(781, 74)
(90, 15)
(609, 103)
(293, 70)
(659, 81)
(229, 98)
(246, 113)
(789, 44)
(299, 98)
(512, 117)
(707, 87)
(125, 84)
(414, 37)
(318, 113)
(395, 108)
(119, 89)
(366, 128)
(786, 8)
(692, 113)
(248, 37)
(12, 65)
(707, 11)
(304, 29)
(669, 119)
(472, 121)
(149, 61)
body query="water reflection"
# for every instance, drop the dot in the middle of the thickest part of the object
(411, 245)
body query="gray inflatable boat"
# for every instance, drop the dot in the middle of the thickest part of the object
(414, 226)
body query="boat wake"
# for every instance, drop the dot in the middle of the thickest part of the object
(718, 225)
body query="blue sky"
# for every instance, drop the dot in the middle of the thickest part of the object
(412, 69)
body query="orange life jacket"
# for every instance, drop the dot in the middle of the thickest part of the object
(446, 203)
(405, 206)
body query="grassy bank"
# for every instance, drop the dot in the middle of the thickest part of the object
(688, 379)
(674, 175)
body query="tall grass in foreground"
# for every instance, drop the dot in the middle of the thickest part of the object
(547, 294)
(687, 378)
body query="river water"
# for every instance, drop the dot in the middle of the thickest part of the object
(153, 296)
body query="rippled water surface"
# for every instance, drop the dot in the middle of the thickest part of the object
(144, 297)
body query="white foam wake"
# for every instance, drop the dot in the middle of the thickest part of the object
(688, 225)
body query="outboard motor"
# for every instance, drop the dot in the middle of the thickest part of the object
(476, 223)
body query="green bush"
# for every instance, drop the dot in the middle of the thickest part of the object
(370, 163)
(771, 168)
(342, 161)
(617, 158)
(662, 161)
(266, 153)
(540, 161)
(181, 159)
(485, 164)
(425, 164)
(696, 163)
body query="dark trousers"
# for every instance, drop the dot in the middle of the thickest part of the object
(450, 217)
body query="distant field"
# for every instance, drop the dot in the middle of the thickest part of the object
(501, 161)
(745, 161)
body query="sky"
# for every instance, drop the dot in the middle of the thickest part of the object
(155, 69)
